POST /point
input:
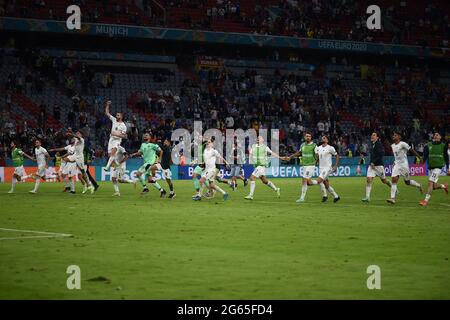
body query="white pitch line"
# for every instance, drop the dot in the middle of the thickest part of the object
(44, 234)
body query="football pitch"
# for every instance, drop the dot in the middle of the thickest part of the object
(144, 247)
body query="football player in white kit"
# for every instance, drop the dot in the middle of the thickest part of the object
(118, 132)
(118, 172)
(401, 166)
(78, 159)
(68, 169)
(210, 157)
(42, 157)
(325, 154)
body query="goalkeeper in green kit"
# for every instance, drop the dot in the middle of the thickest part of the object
(150, 153)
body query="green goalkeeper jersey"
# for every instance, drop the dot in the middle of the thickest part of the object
(308, 157)
(17, 157)
(149, 151)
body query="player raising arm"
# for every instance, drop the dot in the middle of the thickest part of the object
(19, 172)
(401, 166)
(436, 154)
(258, 153)
(118, 132)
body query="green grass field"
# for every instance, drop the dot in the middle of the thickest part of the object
(152, 248)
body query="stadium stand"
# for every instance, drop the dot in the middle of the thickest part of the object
(418, 22)
(46, 95)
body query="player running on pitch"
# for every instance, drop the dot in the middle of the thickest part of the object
(68, 170)
(236, 166)
(78, 158)
(307, 152)
(258, 153)
(376, 167)
(118, 171)
(164, 165)
(118, 132)
(19, 172)
(149, 152)
(42, 157)
(325, 154)
(210, 156)
(436, 153)
(401, 166)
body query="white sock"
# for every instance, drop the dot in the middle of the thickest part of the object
(13, 185)
(393, 190)
(66, 182)
(271, 185)
(72, 185)
(25, 177)
(252, 187)
(331, 190)
(129, 181)
(323, 189)
(116, 186)
(414, 183)
(304, 189)
(427, 196)
(219, 189)
(37, 183)
(368, 189)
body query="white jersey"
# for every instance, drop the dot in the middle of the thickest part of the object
(40, 156)
(70, 150)
(117, 127)
(326, 154)
(79, 148)
(400, 151)
(210, 158)
(120, 155)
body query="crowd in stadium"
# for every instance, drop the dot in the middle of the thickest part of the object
(224, 99)
(421, 23)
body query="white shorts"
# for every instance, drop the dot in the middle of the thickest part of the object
(433, 175)
(113, 143)
(41, 171)
(61, 167)
(118, 172)
(70, 169)
(166, 173)
(20, 171)
(259, 171)
(324, 173)
(209, 174)
(400, 170)
(78, 160)
(308, 172)
(376, 171)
